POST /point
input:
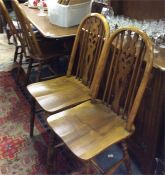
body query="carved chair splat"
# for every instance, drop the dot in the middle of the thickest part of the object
(117, 89)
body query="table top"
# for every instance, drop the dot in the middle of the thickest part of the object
(47, 29)
(53, 31)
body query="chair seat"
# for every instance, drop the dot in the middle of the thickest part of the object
(88, 128)
(58, 94)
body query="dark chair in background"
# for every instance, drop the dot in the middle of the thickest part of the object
(12, 30)
(4, 24)
(41, 51)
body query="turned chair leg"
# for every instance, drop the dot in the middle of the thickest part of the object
(19, 66)
(126, 157)
(51, 152)
(32, 117)
(38, 76)
(29, 71)
(8, 36)
(16, 53)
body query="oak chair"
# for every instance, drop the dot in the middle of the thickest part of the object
(117, 90)
(4, 24)
(12, 29)
(41, 50)
(61, 93)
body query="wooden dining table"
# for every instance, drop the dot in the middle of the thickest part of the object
(47, 29)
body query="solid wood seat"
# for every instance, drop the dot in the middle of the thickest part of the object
(117, 89)
(88, 128)
(65, 92)
(59, 94)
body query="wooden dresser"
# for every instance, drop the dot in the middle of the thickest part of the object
(147, 143)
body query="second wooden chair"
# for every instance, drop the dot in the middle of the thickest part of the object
(65, 92)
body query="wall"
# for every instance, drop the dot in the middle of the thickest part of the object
(140, 9)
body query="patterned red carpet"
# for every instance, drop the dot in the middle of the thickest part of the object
(19, 154)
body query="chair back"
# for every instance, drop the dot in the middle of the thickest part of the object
(28, 34)
(91, 34)
(8, 21)
(123, 72)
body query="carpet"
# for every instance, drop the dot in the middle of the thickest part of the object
(19, 154)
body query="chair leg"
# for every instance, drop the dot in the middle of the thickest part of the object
(19, 67)
(29, 71)
(38, 76)
(88, 167)
(32, 117)
(126, 157)
(51, 152)
(8, 36)
(16, 53)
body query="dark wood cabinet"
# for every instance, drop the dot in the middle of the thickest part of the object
(144, 9)
(97, 7)
(147, 142)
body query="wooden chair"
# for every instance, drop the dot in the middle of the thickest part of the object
(12, 30)
(5, 27)
(61, 93)
(40, 50)
(117, 90)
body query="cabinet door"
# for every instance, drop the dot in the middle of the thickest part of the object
(148, 135)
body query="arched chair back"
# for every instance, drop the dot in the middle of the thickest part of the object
(123, 75)
(27, 30)
(11, 30)
(87, 47)
(41, 50)
(8, 22)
